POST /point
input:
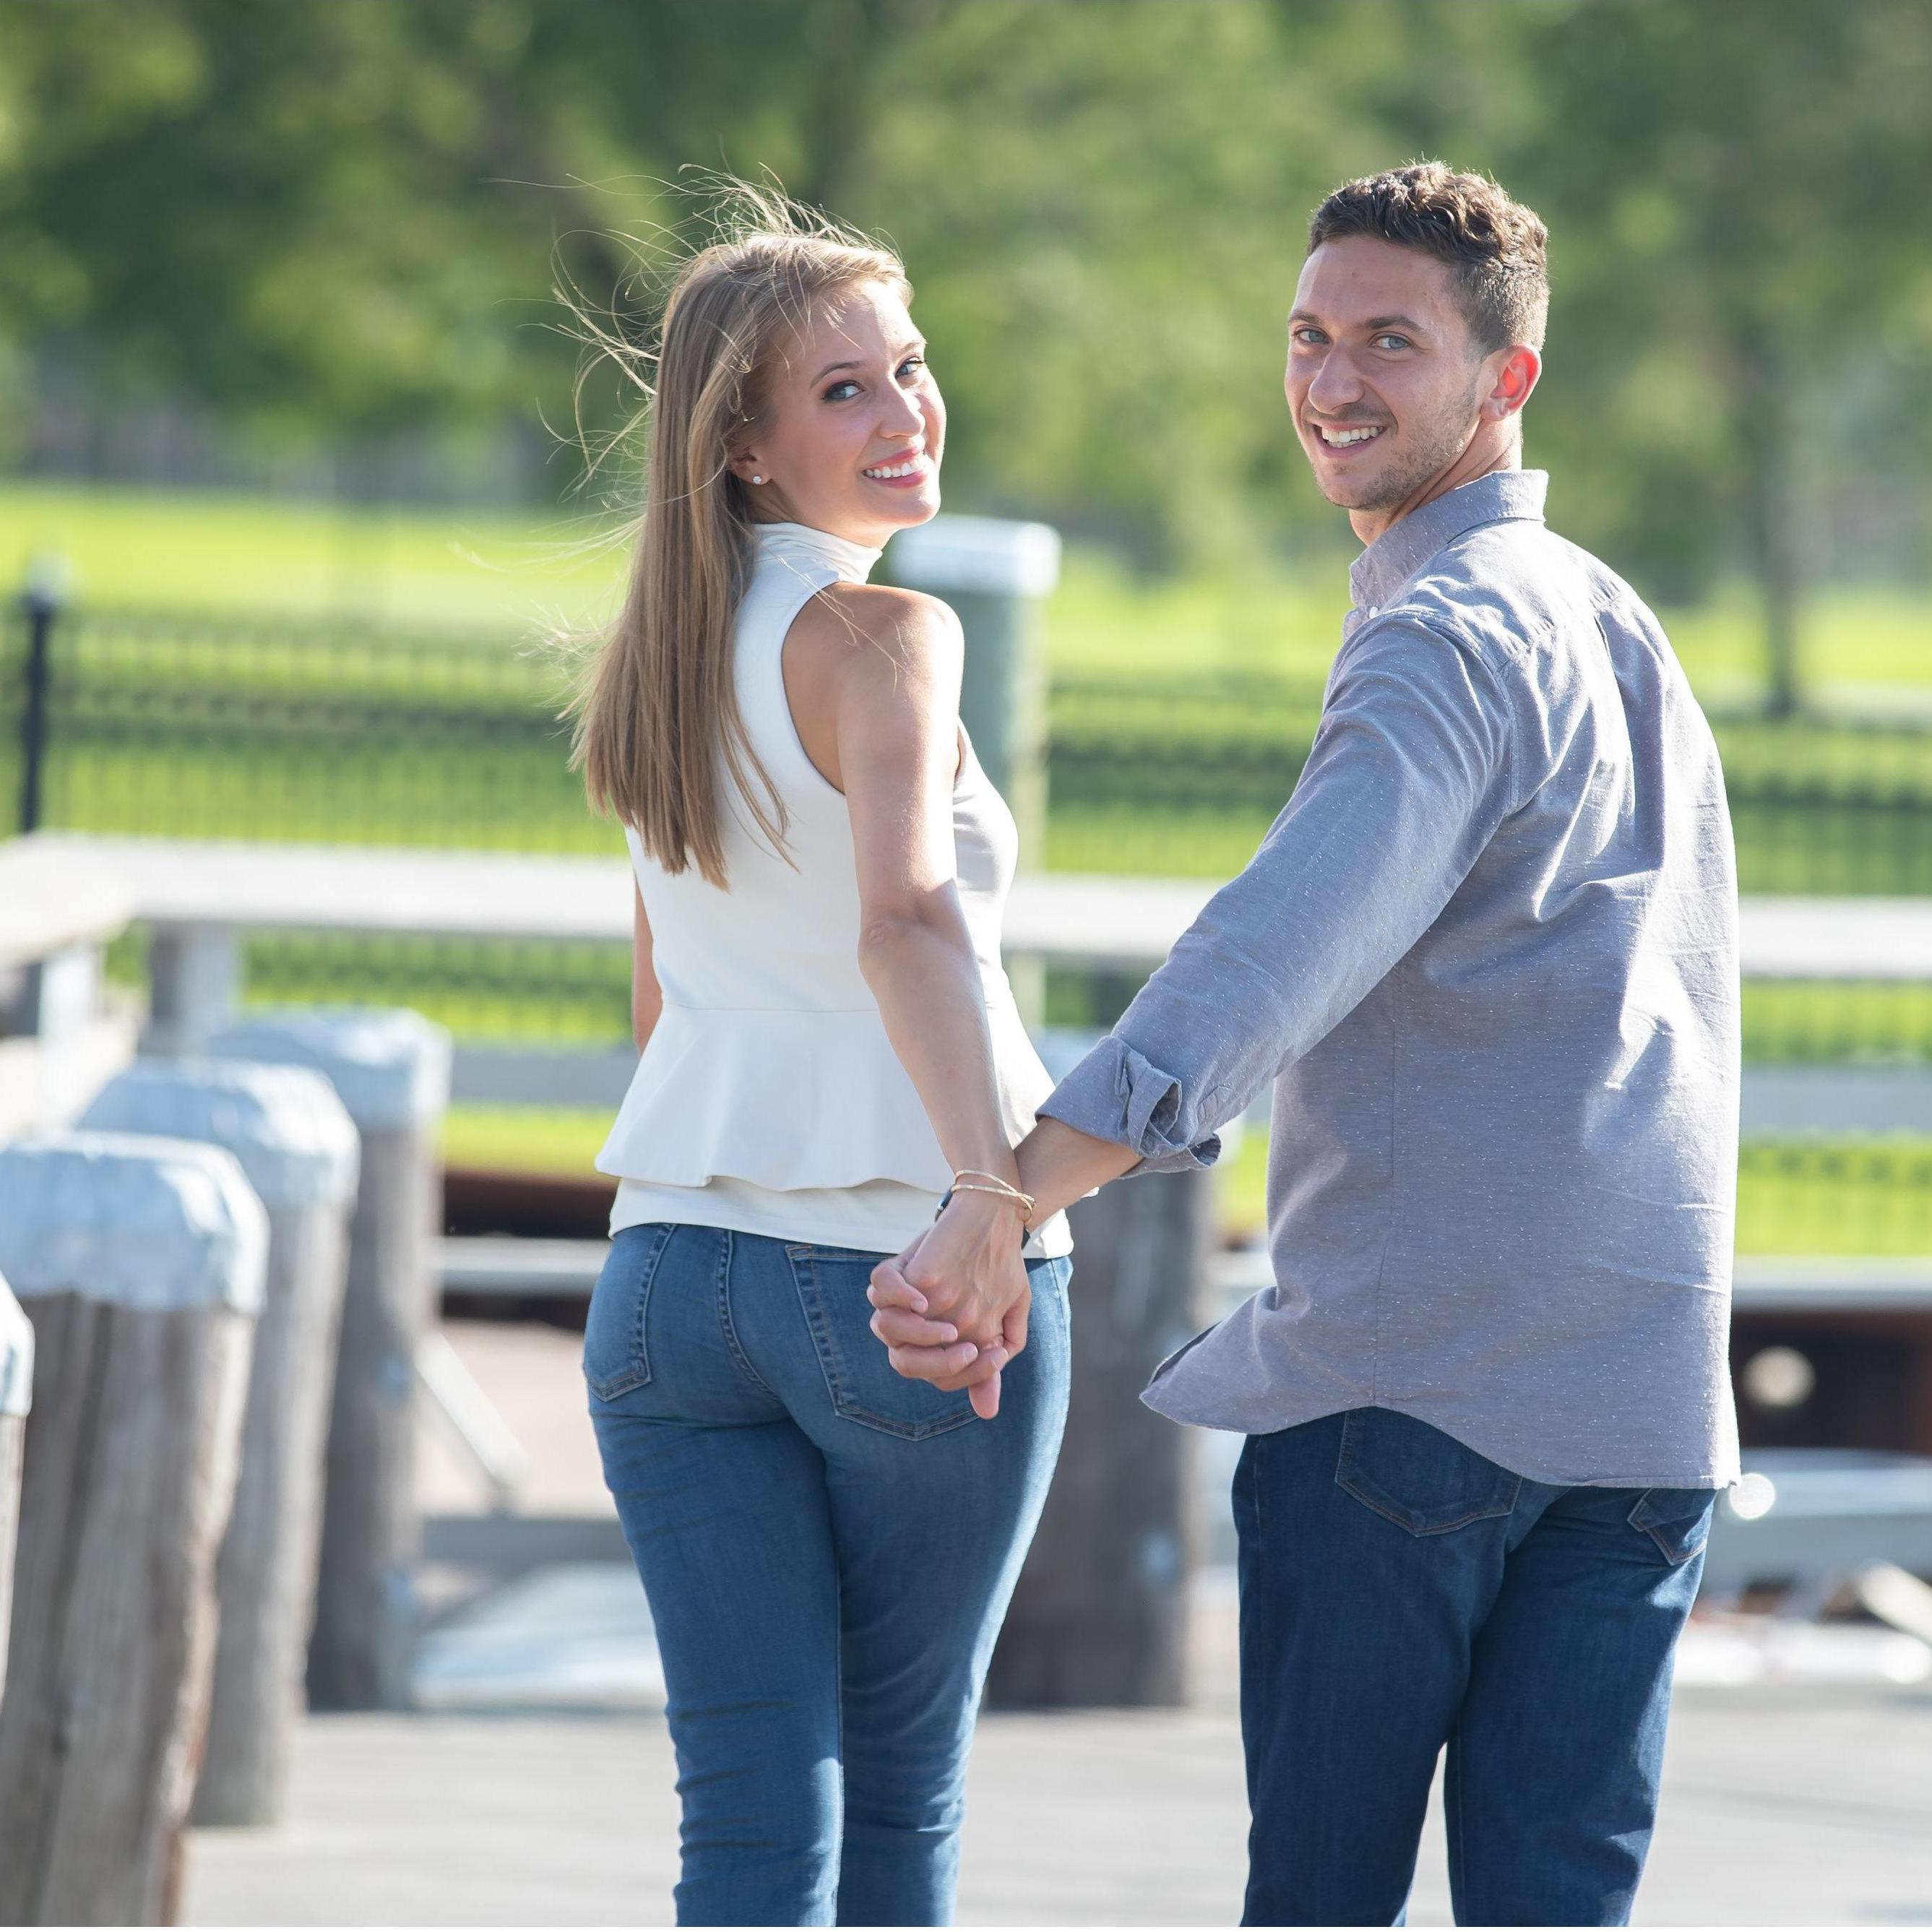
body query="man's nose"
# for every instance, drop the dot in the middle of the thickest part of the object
(1335, 384)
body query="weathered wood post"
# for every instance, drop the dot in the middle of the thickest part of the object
(17, 1384)
(298, 1147)
(1100, 1614)
(140, 1263)
(994, 572)
(391, 1070)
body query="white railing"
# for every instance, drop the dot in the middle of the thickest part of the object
(200, 899)
(63, 1035)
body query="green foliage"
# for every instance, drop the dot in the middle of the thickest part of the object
(338, 219)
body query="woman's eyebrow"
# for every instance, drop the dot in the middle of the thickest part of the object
(830, 367)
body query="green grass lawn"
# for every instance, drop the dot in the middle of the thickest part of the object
(507, 573)
(1871, 1197)
(149, 550)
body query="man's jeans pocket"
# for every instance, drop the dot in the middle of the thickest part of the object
(1678, 1521)
(616, 1352)
(864, 1386)
(1418, 1476)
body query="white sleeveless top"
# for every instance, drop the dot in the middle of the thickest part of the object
(769, 1098)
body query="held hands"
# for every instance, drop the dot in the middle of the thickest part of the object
(952, 1309)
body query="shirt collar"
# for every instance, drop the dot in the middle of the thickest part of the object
(800, 543)
(1404, 547)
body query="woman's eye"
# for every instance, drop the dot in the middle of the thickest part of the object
(842, 392)
(913, 362)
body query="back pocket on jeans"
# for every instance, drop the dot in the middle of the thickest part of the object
(864, 1386)
(616, 1354)
(1678, 1521)
(1418, 1476)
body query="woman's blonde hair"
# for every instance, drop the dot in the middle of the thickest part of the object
(656, 716)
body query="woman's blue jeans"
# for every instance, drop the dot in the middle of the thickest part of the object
(828, 1549)
(1400, 1593)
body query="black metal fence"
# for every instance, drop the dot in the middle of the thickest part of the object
(1183, 775)
(270, 729)
(216, 727)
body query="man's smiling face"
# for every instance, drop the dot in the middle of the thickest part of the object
(1385, 382)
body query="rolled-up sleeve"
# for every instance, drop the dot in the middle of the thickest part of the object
(1410, 773)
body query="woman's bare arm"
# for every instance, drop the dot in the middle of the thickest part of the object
(646, 997)
(889, 663)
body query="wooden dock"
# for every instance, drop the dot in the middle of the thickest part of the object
(1780, 1808)
(1784, 1804)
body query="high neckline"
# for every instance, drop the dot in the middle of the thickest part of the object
(801, 543)
(1405, 546)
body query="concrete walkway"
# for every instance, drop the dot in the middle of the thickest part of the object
(1791, 1808)
(1789, 1805)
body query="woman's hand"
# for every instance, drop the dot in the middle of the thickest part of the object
(951, 1310)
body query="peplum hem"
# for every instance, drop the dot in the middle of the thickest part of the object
(794, 1099)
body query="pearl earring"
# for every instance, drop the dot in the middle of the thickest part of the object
(757, 479)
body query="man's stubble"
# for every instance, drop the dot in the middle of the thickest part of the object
(1438, 444)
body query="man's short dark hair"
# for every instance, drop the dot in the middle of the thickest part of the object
(1496, 248)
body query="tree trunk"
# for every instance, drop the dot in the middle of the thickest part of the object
(1776, 529)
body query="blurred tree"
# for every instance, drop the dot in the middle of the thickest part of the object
(341, 217)
(264, 207)
(1738, 191)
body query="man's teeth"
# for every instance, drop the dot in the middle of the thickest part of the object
(1341, 437)
(909, 467)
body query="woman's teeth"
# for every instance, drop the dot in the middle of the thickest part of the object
(911, 467)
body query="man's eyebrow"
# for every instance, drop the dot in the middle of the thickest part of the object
(1374, 324)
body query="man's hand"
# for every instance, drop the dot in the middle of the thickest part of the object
(951, 1310)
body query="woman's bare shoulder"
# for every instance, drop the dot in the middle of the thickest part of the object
(864, 625)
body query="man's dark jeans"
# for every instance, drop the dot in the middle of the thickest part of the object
(1400, 1593)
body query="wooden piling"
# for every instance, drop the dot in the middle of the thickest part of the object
(392, 1071)
(16, 1383)
(140, 1264)
(1100, 1617)
(296, 1144)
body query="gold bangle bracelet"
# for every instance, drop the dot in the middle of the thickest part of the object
(1001, 1190)
(980, 1173)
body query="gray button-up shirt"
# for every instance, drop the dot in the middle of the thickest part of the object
(1488, 955)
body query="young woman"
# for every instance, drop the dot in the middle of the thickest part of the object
(830, 1044)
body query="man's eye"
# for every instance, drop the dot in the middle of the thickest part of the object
(841, 392)
(1308, 338)
(1391, 342)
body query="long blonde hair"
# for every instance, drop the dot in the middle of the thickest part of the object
(658, 711)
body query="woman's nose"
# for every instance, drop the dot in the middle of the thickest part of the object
(902, 415)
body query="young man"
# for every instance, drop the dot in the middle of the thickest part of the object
(1488, 956)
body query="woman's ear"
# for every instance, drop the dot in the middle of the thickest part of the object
(746, 467)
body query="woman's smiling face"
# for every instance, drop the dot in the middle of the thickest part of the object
(852, 425)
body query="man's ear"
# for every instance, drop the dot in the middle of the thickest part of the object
(1516, 376)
